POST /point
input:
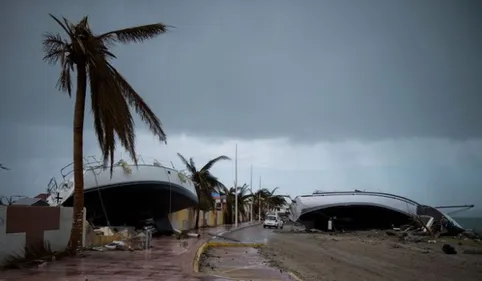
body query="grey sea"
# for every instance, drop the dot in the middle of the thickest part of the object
(470, 222)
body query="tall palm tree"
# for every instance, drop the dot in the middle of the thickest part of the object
(204, 182)
(88, 54)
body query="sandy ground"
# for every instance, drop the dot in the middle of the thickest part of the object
(370, 256)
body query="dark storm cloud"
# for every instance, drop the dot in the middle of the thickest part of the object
(312, 70)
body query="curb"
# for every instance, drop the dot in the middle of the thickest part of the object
(211, 244)
(238, 228)
(205, 246)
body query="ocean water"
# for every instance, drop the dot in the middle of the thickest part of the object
(470, 222)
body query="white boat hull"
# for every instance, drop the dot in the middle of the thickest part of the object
(131, 194)
(304, 208)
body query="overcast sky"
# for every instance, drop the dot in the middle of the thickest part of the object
(332, 95)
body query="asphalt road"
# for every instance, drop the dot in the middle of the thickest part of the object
(364, 256)
(242, 263)
(254, 234)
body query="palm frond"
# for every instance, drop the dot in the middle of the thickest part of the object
(211, 180)
(66, 27)
(134, 34)
(65, 82)
(189, 167)
(273, 190)
(210, 164)
(112, 116)
(191, 161)
(140, 106)
(55, 48)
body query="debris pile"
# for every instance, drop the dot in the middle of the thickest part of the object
(422, 229)
(183, 234)
(121, 239)
(128, 238)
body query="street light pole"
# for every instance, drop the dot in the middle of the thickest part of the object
(259, 200)
(236, 187)
(252, 199)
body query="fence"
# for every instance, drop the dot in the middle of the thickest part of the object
(185, 219)
(23, 226)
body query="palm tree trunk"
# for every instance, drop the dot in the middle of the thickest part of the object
(196, 226)
(75, 242)
(198, 193)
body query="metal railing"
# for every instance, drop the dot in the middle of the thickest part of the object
(92, 163)
(365, 193)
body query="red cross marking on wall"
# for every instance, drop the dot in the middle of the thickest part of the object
(32, 221)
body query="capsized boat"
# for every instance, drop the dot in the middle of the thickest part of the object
(363, 210)
(132, 195)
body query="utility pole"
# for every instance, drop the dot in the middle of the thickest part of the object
(252, 199)
(236, 187)
(259, 200)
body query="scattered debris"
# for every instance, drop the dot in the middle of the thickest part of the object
(116, 245)
(34, 255)
(473, 251)
(121, 238)
(185, 234)
(391, 233)
(196, 235)
(448, 249)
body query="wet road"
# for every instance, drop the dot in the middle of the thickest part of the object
(169, 259)
(241, 263)
(254, 234)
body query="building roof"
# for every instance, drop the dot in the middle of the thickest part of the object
(43, 196)
(27, 201)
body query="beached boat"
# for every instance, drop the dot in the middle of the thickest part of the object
(133, 194)
(363, 210)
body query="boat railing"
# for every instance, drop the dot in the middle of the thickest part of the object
(91, 163)
(366, 193)
(52, 186)
(461, 208)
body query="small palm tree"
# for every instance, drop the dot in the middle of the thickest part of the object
(273, 200)
(204, 182)
(244, 196)
(88, 54)
(267, 199)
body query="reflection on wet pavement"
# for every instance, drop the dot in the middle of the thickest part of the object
(255, 234)
(236, 263)
(241, 263)
(169, 259)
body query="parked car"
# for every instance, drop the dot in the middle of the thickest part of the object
(272, 221)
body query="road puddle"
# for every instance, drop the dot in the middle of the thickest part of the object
(239, 263)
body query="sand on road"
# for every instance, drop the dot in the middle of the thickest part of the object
(349, 257)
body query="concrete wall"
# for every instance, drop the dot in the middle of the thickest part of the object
(24, 225)
(185, 219)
